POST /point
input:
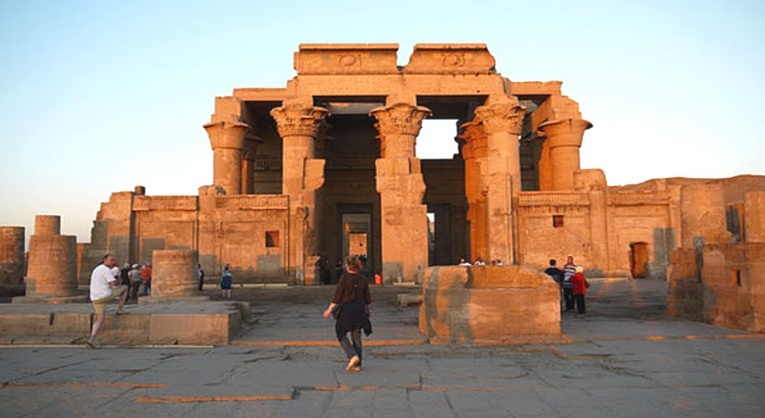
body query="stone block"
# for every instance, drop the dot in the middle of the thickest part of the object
(488, 304)
(450, 58)
(315, 59)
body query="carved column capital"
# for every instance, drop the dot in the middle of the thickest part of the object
(226, 134)
(501, 116)
(399, 119)
(294, 119)
(474, 137)
(565, 132)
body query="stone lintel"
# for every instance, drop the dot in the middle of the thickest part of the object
(346, 59)
(227, 109)
(260, 94)
(535, 88)
(451, 59)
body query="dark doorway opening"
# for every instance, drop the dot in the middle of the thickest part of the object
(639, 258)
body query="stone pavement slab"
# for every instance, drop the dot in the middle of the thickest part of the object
(622, 359)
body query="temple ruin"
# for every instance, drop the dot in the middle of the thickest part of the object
(326, 166)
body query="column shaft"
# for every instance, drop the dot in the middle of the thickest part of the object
(227, 142)
(404, 223)
(564, 138)
(302, 175)
(502, 120)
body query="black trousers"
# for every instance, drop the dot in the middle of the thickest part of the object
(579, 301)
(568, 298)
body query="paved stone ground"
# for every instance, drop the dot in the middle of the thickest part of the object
(624, 359)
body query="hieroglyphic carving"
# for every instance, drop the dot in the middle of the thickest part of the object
(145, 203)
(252, 202)
(553, 199)
(450, 58)
(632, 199)
(346, 59)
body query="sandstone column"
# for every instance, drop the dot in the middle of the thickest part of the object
(11, 260)
(302, 175)
(174, 274)
(227, 141)
(474, 152)
(564, 138)
(400, 184)
(52, 271)
(502, 120)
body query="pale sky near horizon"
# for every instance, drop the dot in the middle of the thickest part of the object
(98, 97)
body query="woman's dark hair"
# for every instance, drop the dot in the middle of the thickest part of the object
(353, 263)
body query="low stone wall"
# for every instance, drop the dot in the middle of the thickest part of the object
(489, 305)
(182, 323)
(719, 284)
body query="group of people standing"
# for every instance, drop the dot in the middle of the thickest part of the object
(572, 282)
(137, 279)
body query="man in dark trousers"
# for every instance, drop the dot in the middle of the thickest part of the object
(569, 269)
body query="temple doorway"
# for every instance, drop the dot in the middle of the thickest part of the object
(639, 258)
(356, 232)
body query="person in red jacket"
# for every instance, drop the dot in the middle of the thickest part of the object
(580, 289)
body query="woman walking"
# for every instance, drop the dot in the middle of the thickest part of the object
(352, 298)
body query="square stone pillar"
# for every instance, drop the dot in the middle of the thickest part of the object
(474, 153)
(302, 175)
(401, 186)
(502, 120)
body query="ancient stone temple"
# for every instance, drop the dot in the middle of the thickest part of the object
(326, 166)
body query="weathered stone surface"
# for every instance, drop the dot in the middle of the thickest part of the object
(719, 284)
(174, 274)
(167, 323)
(488, 304)
(11, 260)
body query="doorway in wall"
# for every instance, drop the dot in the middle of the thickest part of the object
(357, 236)
(639, 260)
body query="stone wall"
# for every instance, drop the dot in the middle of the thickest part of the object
(719, 284)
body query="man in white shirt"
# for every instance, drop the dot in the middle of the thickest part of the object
(103, 288)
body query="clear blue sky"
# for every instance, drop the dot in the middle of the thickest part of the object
(98, 96)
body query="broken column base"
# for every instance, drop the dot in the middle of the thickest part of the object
(489, 305)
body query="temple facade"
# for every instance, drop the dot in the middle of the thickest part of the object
(326, 166)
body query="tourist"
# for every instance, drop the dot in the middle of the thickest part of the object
(569, 269)
(146, 280)
(464, 262)
(201, 274)
(226, 282)
(479, 262)
(579, 289)
(557, 274)
(352, 298)
(103, 288)
(125, 275)
(135, 282)
(554, 272)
